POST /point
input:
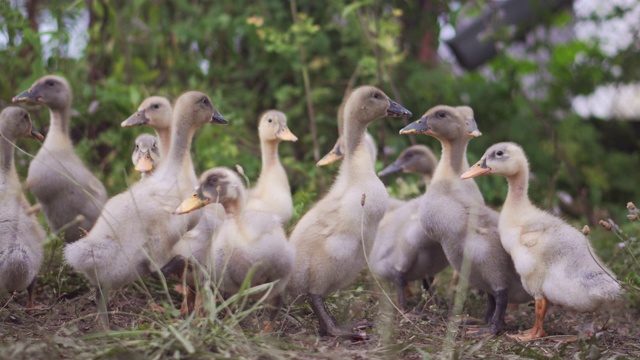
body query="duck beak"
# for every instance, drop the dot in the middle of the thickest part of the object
(474, 133)
(27, 95)
(36, 135)
(144, 164)
(417, 127)
(480, 168)
(217, 118)
(397, 110)
(139, 118)
(195, 202)
(285, 134)
(332, 156)
(391, 169)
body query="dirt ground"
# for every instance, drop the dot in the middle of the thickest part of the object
(64, 326)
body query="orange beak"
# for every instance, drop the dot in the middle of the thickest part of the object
(332, 156)
(480, 168)
(285, 134)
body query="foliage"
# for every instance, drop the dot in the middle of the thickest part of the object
(248, 58)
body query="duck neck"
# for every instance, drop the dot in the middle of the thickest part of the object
(7, 169)
(59, 121)
(164, 138)
(518, 186)
(234, 208)
(270, 159)
(179, 154)
(356, 158)
(453, 159)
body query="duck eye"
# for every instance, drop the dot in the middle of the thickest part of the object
(377, 95)
(156, 106)
(409, 155)
(205, 101)
(500, 153)
(50, 83)
(441, 114)
(270, 120)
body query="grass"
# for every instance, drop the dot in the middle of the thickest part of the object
(66, 327)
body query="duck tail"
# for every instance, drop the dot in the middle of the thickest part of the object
(79, 255)
(602, 285)
(16, 269)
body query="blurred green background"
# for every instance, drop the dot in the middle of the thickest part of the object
(300, 57)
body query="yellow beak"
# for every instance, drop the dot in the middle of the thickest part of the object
(144, 164)
(194, 202)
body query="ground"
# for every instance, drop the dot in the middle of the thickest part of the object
(65, 326)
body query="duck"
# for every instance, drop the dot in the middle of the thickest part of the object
(272, 192)
(453, 213)
(247, 239)
(137, 230)
(146, 155)
(555, 260)
(400, 252)
(416, 159)
(21, 236)
(156, 112)
(71, 197)
(332, 237)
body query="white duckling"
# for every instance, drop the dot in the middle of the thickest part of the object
(401, 253)
(146, 155)
(332, 237)
(453, 213)
(247, 240)
(272, 192)
(21, 236)
(58, 179)
(554, 260)
(137, 230)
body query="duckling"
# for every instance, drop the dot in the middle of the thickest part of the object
(272, 192)
(58, 179)
(246, 239)
(156, 112)
(21, 236)
(137, 230)
(146, 155)
(331, 238)
(401, 253)
(555, 260)
(452, 212)
(416, 159)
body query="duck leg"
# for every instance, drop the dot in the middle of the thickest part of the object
(491, 308)
(497, 321)
(494, 315)
(537, 331)
(273, 313)
(400, 281)
(31, 290)
(427, 283)
(102, 304)
(328, 324)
